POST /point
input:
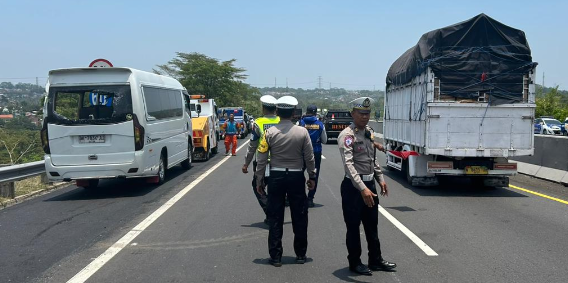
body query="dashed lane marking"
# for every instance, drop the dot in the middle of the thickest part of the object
(105, 257)
(539, 194)
(417, 241)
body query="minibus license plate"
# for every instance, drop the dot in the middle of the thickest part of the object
(476, 170)
(92, 139)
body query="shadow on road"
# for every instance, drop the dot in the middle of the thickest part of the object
(115, 188)
(452, 187)
(285, 260)
(260, 225)
(344, 274)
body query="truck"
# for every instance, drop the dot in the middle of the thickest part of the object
(460, 103)
(239, 113)
(335, 120)
(205, 122)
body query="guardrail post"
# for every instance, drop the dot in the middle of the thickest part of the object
(8, 190)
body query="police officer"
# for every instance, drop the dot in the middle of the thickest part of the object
(318, 135)
(268, 120)
(359, 198)
(290, 148)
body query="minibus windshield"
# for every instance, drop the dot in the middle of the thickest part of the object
(79, 105)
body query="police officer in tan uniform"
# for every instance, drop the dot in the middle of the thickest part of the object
(260, 125)
(290, 147)
(359, 198)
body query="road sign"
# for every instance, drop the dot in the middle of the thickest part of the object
(101, 63)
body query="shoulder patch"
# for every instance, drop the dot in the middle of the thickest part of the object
(348, 141)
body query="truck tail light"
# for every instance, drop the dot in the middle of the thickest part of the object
(45, 138)
(505, 166)
(138, 134)
(441, 165)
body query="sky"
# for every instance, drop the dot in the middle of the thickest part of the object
(350, 44)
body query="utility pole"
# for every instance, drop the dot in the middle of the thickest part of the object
(542, 80)
(37, 84)
(274, 82)
(286, 83)
(319, 82)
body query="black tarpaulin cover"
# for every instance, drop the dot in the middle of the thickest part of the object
(480, 54)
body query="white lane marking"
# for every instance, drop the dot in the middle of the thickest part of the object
(105, 257)
(323, 157)
(417, 241)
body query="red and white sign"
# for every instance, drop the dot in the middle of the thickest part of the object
(100, 63)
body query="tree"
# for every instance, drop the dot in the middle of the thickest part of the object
(551, 104)
(219, 80)
(19, 146)
(6, 85)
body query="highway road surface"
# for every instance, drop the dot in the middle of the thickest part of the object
(204, 225)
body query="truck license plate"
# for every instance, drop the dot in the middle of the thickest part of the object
(92, 139)
(476, 170)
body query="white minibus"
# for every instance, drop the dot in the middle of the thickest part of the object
(102, 123)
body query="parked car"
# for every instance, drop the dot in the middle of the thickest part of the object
(547, 126)
(564, 127)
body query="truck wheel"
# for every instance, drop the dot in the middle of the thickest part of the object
(208, 153)
(406, 171)
(162, 169)
(186, 164)
(215, 149)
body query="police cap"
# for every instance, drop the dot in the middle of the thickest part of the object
(268, 100)
(286, 102)
(363, 104)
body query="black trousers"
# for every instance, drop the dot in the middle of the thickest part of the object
(317, 156)
(354, 212)
(262, 200)
(291, 184)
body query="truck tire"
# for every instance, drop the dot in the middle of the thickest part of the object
(215, 149)
(208, 153)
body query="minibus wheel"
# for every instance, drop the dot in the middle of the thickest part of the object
(186, 164)
(162, 170)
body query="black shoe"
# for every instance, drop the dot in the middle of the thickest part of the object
(361, 269)
(311, 203)
(275, 262)
(301, 259)
(383, 265)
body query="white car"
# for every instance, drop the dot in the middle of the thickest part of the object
(547, 126)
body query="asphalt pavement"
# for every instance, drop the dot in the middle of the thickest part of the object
(204, 225)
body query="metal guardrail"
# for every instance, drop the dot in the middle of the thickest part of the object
(21, 171)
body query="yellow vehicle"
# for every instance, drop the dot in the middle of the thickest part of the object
(205, 126)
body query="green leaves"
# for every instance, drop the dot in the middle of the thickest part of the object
(219, 80)
(551, 104)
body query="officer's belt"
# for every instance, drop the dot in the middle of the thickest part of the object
(285, 169)
(364, 178)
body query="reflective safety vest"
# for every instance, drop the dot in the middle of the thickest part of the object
(264, 123)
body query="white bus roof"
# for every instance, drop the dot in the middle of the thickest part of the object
(107, 75)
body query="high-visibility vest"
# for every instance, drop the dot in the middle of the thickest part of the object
(264, 123)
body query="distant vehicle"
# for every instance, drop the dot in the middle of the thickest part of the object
(564, 127)
(547, 126)
(335, 121)
(205, 126)
(103, 123)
